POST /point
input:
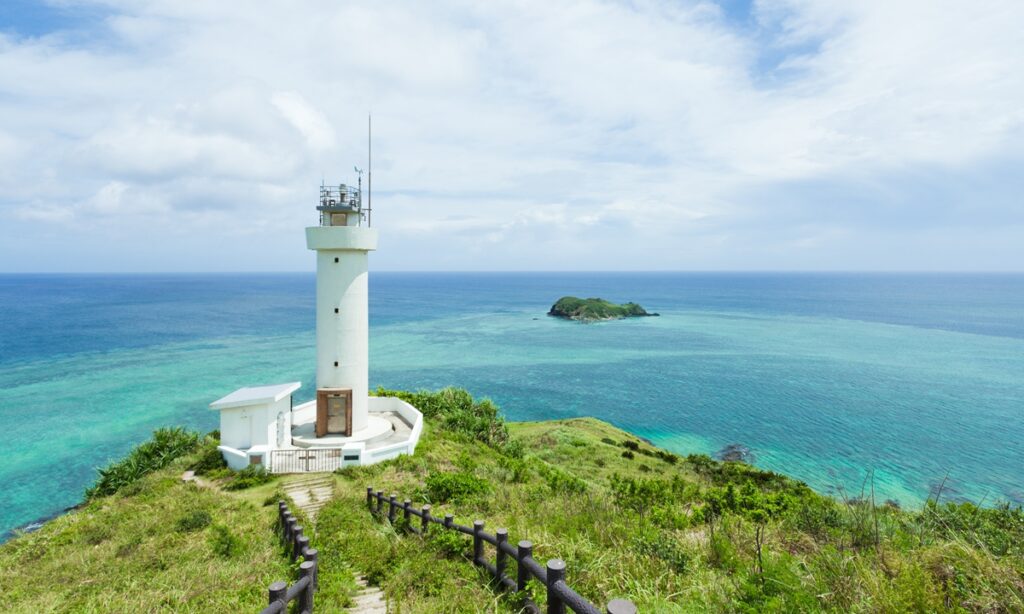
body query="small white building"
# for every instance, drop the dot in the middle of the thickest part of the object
(343, 425)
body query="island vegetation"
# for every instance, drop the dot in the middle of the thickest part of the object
(595, 309)
(673, 533)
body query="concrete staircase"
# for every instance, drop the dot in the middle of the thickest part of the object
(369, 599)
(310, 494)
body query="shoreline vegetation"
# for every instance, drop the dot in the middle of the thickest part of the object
(673, 533)
(595, 310)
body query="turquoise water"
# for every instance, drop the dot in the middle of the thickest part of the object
(823, 377)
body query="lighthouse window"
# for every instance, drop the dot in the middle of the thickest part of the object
(335, 310)
(335, 363)
(335, 259)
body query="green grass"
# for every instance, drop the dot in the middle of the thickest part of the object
(159, 545)
(672, 533)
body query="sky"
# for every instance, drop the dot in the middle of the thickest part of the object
(188, 135)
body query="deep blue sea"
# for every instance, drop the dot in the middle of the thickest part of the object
(825, 377)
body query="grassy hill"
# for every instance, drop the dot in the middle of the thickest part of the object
(672, 533)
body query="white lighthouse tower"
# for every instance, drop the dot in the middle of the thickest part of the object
(342, 241)
(343, 425)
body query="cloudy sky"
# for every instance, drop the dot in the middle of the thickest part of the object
(189, 135)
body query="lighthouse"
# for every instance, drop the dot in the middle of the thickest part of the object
(342, 241)
(343, 425)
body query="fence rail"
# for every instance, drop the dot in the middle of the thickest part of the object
(297, 545)
(552, 575)
(305, 460)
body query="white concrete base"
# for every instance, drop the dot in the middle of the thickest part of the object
(377, 429)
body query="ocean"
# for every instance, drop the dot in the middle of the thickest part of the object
(910, 378)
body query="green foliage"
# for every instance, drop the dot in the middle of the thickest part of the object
(451, 543)
(561, 481)
(253, 475)
(594, 309)
(458, 412)
(609, 441)
(195, 520)
(663, 547)
(445, 487)
(164, 446)
(210, 459)
(631, 445)
(627, 454)
(224, 543)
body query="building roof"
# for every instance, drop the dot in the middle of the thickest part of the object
(256, 395)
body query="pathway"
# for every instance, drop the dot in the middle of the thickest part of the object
(310, 494)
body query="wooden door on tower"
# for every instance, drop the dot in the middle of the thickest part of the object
(334, 412)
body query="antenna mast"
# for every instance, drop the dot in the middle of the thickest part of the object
(369, 170)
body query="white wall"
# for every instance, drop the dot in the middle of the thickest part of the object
(344, 336)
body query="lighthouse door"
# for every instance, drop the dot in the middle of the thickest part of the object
(334, 412)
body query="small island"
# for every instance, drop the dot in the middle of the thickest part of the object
(595, 310)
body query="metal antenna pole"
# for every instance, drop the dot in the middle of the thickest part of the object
(369, 170)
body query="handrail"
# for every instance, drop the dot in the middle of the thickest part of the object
(302, 590)
(552, 575)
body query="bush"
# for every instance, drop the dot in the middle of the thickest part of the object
(458, 412)
(662, 547)
(631, 445)
(455, 487)
(195, 520)
(561, 481)
(609, 441)
(166, 445)
(253, 475)
(627, 454)
(210, 459)
(225, 544)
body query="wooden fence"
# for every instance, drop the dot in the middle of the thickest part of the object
(559, 595)
(297, 545)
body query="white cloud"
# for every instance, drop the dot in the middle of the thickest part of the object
(525, 133)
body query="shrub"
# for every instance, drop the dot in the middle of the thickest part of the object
(561, 481)
(253, 475)
(631, 445)
(458, 412)
(455, 487)
(662, 547)
(195, 520)
(449, 542)
(210, 459)
(164, 446)
(627, 454)
(609, 441)
(224, 544)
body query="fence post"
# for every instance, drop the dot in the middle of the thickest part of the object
(406, 514)
(282, 507)
(296, 534)
(523, 550)
(312, 555)
(277, 592)
(448, 519)
(369, 497)
(478, 542)
(380, 500)
(391, 508)
(500, 560)
(290, 524)
(307, 570)
(621, 606)
(556, 572)
(426, 520)
(302, 545)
